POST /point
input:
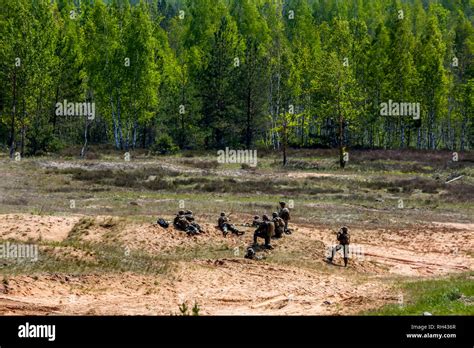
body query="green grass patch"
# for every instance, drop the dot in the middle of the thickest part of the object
(450, 296)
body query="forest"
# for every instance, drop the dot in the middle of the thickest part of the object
(167, 75)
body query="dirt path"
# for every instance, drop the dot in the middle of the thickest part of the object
(232, 285)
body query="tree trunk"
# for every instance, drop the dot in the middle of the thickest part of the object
(12, 126)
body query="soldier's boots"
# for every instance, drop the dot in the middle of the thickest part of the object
(346, 261)
(266, 246)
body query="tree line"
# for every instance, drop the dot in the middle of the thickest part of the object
(209, 74)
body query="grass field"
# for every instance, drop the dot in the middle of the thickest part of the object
(101, 251)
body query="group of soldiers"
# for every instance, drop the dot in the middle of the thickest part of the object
(266, 228)
(271, 228)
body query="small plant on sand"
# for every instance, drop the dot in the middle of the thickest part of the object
(184, 309)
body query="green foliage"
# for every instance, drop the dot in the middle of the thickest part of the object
(184, 309)
(451, 296)
(225, 73)
(164, 145)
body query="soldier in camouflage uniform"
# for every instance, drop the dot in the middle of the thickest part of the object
(256, 221)
(265, 230)
(343, 238)
(188, 214)
(181, 223)
(225, 225)
(279, 225)
(284, 213)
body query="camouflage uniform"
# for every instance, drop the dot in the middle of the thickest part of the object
(190, 218)
(343, 238)
(256, 221)
(284, 213)
(265, 230)
(225, 225)
(279, 225)
(181, 223)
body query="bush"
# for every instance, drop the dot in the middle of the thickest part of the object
(164, 145)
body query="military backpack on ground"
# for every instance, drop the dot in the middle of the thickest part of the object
(163, 223)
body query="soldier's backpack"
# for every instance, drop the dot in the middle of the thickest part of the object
(271, 228)
(163, 223)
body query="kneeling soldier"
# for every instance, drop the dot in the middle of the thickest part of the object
(265, 230)
(279, 225)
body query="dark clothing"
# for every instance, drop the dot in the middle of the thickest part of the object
(180, 222)
(279, 226)
(343, 238)
(344, 241)
(284, 213)
(265, 231)
(345, 250)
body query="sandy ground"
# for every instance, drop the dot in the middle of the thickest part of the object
(232, 285)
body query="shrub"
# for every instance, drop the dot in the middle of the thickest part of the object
(164, 145)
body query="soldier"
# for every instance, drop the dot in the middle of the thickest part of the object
(181, 223)
(256, 221)
(343, 238)
(284, 213)
(188, 214)
(265, 230)
(279, 225)
(178, 220)
(225, 225)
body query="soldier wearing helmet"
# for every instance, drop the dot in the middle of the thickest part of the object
(265, 230)
(225, 226)
(279, 225)
(343, 238)
(284, 214)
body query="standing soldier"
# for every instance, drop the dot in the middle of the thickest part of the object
(265, 230)
(225, 225)
(284, 213)
(343, 238)
(279, 225)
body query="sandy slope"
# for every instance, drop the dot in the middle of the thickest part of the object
(233, 285)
